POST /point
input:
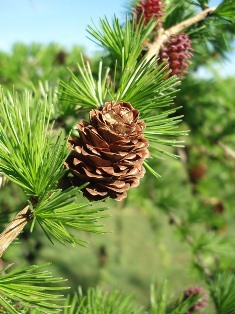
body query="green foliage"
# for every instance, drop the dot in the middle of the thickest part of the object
(32, 156)
(30, 287)
(98, 301)
(199, 112)
(58, 213)
(123, 43)
(177, 12)
(29, 155)
(25, 65)
(223, 293)
(226, 10)
(84, 92)
(126, 44)
(145, 86)
(160, 301)
(201, 3)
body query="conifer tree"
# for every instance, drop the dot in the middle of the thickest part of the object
(126, 115)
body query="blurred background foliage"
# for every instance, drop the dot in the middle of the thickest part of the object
(148, 235)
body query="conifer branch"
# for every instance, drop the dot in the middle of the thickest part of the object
(163, 35)
(200, 261)
(14, 228)
(227, 150)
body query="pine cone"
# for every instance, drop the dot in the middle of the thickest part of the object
(177, 51)
(109, 152)
(196, 291)
(150, 9)
(197, 172)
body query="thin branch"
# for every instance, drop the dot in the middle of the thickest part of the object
(227, 150)
(14, 228)
(200, 261)
(163, 35)
(3, 180)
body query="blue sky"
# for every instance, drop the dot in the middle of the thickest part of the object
(61, 21)
(44, 21)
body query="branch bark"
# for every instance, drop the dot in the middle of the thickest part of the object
(163, 35)
(3, 180)
(14, 228)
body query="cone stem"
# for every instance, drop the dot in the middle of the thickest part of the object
(14, 228)
(164, 34)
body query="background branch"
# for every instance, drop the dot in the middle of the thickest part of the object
(199, 259)
(227, 150)
(163, 35)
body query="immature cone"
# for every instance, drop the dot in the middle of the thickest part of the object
(197, 172)
(196, 291)
(176, 52)
(150, 9)
(109, 152)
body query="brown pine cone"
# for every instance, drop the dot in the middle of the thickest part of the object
(109, 152)
(197, 172)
